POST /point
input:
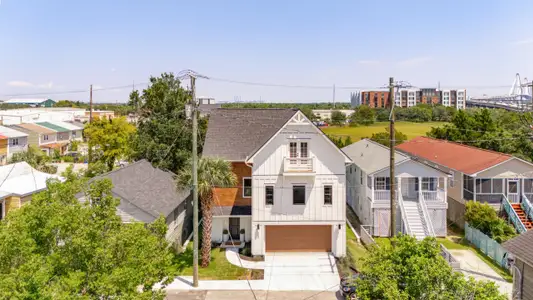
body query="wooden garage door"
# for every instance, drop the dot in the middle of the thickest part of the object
(295, 238)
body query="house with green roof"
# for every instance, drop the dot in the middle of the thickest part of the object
(63, 134)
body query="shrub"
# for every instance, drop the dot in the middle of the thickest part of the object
(225, 231)
(485, 219)
(242, 231)
(68, 159)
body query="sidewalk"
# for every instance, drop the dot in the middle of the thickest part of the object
(232, 255)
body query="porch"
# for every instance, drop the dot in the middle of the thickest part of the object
(231, 231)
(430, 189)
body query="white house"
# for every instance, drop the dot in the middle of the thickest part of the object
(17, 141)
(291, 190)
(420, 193)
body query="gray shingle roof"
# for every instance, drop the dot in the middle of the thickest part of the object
(150, 189)
(521, 246)
(232, 210)
(371, 156)
(236, 133)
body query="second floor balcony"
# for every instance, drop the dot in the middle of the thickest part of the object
(299, 166)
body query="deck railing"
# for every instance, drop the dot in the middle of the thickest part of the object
(366, 235)
(513, 217)
(432, 196)
(450, 259)
(292, 164)
(527, 206)
(425, 214)
(404, 214)
(381, 195)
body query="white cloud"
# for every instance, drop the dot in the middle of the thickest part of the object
(523, 42)
(369, 62)
(16, 83)
(414, 61)
(48, 85)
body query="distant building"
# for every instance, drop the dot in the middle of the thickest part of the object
(41, 102)
(355, 98)
(325, 114)
(409, 97)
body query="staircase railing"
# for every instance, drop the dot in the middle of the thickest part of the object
(513, 217)
(527, 207)
(425, 214)
(404, 214)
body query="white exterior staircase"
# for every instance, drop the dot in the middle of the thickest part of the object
(415, 220)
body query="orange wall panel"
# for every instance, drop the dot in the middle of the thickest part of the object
(233, 196)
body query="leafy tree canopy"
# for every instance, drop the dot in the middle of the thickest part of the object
(110, 139)
(411, 269)
(484, 218)
(164, 135)
(338, 118)
(57, 248)
(35, 158)
(363, 115)
(384, 137)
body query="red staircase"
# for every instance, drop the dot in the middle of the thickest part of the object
(522, 215)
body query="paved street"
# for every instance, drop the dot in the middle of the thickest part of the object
(247, 295)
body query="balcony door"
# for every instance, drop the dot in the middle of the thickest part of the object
(512, 190)
(299, 151)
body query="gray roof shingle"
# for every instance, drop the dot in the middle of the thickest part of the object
(236, 133)
(521, 246)
(150, 189)
(371, 156)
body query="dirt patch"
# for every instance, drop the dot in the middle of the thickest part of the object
(253, 274)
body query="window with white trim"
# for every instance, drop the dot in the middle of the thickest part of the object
(382, 183)
(328, 194)
(246, 187)
(45, 137)
(269, 195)
(14, 142)
(429, 183)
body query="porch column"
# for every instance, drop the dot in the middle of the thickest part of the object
(398, 186)
(372, 186)
(445, 189)
(474, 190)
(419, 188)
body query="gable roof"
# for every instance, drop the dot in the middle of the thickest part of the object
(34, 128)
(150, 189)
(52, 126)
(235, 133)
(11, 133)
(521, 246)
(371, 156)
(21, 179)
(66, 125)
(466, 159)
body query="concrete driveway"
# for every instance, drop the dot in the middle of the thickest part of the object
(301, 271)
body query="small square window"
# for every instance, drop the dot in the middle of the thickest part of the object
(328, 194)
(298, 195)
(247, 187)
(269, 195)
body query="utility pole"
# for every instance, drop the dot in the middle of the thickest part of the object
(391, 166)
(333, 96)
(90, 121)
(194, 181)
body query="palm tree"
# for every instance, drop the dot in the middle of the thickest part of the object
(212, 172)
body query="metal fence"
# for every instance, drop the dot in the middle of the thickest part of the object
(450, 259)
(487, 245)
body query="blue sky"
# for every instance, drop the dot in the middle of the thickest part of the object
(55, 46)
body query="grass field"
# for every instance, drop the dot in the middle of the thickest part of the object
(410, 129)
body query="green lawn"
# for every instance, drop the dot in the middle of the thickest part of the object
(218, 269)
(410, 129)
(355, 249)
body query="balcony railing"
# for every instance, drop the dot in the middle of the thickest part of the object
(520, 227)
(381, 195)
(299, 165)
(431, 196)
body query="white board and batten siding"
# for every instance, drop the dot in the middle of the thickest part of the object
(329, 169)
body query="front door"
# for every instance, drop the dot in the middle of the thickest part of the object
(234, 228)
(512, 190)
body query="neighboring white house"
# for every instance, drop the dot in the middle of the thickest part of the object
(76, 132)
(17, 141)
(291, 190)
(420, 194)
(325, 114)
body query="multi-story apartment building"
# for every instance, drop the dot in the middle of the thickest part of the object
(414, 96)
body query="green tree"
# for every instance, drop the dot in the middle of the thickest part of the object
(110, 139)
(338, 118)
(363, 115)
(57, 248)
(35, 158)
(384, 137)
(164, 135)
(410, 269)
(211, 173)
